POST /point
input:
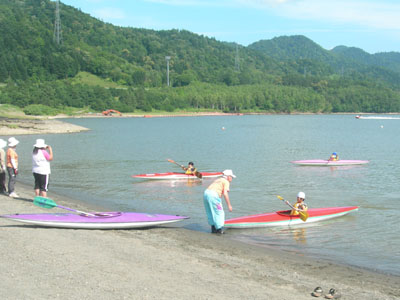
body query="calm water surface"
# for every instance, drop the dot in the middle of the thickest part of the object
(96, 167)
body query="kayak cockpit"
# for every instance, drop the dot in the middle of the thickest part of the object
(286, 213)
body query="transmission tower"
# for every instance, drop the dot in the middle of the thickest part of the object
(237, 60)
(57, 25)
(167, 58)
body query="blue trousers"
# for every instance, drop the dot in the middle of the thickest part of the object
(214, 209)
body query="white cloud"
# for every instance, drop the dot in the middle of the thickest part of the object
(373, 14)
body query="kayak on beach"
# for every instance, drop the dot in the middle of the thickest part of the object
(176, 175)
(329, 163)
(283, 218)
(103, 220)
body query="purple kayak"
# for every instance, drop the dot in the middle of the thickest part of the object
(322, 162)
(103, 220)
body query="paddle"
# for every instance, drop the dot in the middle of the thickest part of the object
(198, 174)
(303, 214)
(48, 203)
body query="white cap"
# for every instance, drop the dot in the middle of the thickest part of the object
(301, 195)
(40, 144)
(3, 143)
(228, 173)
(12, 142)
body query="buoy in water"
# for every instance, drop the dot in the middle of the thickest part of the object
(381, 126)
(223, 128)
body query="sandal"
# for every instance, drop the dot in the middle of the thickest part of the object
(317, 292)
(333, 294)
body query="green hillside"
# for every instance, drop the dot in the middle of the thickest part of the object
(99, 65)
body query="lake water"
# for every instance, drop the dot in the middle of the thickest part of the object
(96, 167)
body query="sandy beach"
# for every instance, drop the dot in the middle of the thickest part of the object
(157, 263)
(10, 126)
(160, 263)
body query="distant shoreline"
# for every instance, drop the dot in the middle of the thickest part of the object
(52, 125)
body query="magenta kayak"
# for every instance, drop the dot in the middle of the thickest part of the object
(175, 175)
(322, 162)
(283, 218)
(103, 220)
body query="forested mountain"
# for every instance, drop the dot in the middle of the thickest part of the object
(285, 74)
(389, 60)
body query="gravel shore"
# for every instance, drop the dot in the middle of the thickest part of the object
(10, 127)
(160, 263)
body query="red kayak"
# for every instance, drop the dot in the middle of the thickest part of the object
(175, 175)
(283, 218)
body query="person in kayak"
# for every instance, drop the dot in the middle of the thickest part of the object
(300, 205)
(190, 169)
(333, 157)
(212, 199)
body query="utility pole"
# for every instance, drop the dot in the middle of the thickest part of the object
(237, 60)
(57, 25)
(167, 58)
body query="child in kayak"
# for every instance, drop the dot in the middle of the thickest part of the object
(190, 169)
(300, 205)
(333, 157)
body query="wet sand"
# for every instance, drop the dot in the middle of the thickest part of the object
(160, 263)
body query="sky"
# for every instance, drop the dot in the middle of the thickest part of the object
(372, 25)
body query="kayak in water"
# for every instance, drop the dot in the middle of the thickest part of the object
(329, 163)
(176, 175)
(283, 218)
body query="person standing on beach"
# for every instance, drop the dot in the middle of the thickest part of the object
(213, 201)
(41, 156)
(3, 167)
(12, 166)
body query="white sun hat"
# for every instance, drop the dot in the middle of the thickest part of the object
(228, 173)
(3, 143)
(12, 142)
(40, 143)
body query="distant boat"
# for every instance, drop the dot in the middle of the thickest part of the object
(377, 118)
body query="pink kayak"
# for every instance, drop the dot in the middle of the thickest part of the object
(322, 162)
(175, 175)
(283, 218)
(104, 220)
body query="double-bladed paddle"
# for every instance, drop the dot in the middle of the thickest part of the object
(303, 214)
(198, 174)
(48, 203)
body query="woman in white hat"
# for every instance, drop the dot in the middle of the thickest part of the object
(12, 166)
(213, 201)
(41, 157)
(3, 167)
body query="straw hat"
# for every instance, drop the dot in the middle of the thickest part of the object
(40, 143)
(12, 142)
(3, 143)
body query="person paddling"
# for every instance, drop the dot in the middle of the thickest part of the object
(333, 157)
(212, 199)
(190, 169)
(300, 205)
